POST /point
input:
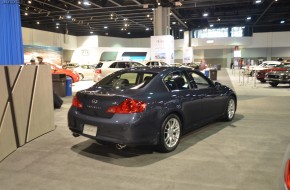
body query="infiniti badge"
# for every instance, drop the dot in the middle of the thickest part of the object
(94, 101)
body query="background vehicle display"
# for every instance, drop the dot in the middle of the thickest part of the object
(249, 70)
(156, 63)
(105, 68)
(262, 73)
(278, 77)
(120, 108)
(85, 71)
(56, 69)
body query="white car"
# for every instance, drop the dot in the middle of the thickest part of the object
(156, 63)
(249, 70)
(104, 68)
(85, 71)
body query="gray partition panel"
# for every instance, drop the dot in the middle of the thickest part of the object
(22, 95)
(13, 70)
(41, 118)
(3, 92)
(7, 135)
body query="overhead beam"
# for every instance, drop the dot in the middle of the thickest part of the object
(73, 5)
(119, 5)
(258, 19)
(180, 21)
(137, 2)
(41, 2)
(95, 4)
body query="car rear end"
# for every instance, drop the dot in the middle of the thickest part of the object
(113, 114)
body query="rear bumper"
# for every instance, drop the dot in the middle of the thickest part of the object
(128, 129)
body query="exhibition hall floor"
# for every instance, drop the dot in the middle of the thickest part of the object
(245, 154)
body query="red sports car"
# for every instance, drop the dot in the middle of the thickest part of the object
(56, 69)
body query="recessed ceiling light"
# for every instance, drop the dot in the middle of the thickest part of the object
(159, 3)
(148, 15)
(25, 13)
(147, 28)
(205, 14)
(68, 16)
(91, 32)
(105, 27)
(57, 24)
(29, 2)
(258, 1)
(249, 18)
(180, 30)
(129, 32)
(87, 3)
(57, 27)
(211, 25)
(79, 2)
(282, 21)
(37, 22)
(185, 22)
(218, 19)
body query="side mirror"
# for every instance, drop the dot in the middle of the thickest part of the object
(217, 85)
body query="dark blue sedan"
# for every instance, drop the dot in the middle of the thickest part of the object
(149, 106)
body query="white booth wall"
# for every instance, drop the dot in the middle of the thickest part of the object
(266, 45)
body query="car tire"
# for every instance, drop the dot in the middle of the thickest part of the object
(170, 134)
(82, 76)
(274, 84)
(230, 110)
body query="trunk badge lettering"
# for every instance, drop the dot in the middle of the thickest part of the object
(94, 101)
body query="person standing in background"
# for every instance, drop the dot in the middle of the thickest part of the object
(40, 60)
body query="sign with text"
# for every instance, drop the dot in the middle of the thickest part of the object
(162, 48)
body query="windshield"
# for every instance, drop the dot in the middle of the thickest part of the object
(128, 80)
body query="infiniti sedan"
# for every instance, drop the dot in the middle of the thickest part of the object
(149, 106)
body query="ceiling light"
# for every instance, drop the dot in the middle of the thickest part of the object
(125, 19)
(91, 32)
(129, 32)
(37, 22)
(276, 0)
(211, 25)
(218, 19)
(249, 18)
(147, 29)
(29, 2)
(258, 1)
(79, 2)
(68, 16)
(57, 24)
(153, 9)
(57, 27)
(170, 13)
(180, 30)
(282, 21)
(151, 18)
(25, 13)
(243, 27)
(173, 22)
(105, 27)
(148, 15)
(159, 3)
(122, 28)
(87, 3)
(209, 41)
(205, 14)
(185, 22)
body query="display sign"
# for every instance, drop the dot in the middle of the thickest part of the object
(50, 54)
(162, 48)
(187, 55)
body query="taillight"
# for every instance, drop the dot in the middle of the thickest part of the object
(287, 174)
(128, 106)
(98, 71)
(76, 103)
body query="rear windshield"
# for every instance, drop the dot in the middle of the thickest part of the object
(128, 80)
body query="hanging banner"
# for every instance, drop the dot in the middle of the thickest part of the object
(162, 48)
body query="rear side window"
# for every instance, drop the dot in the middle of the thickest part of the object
(176, 81)
(99, 65)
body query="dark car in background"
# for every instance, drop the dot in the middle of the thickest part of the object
(149, 106)
(278, 77)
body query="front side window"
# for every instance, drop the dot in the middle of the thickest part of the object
(199, 81)
(176, 81)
